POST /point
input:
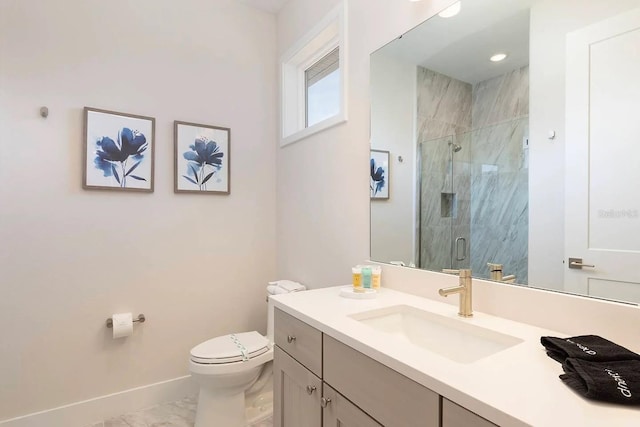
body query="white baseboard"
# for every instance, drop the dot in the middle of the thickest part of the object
(96, 410)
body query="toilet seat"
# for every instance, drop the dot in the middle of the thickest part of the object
(230, 348)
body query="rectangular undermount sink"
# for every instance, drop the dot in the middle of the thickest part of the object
(455, 339)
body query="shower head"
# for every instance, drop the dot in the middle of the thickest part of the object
(455, 147)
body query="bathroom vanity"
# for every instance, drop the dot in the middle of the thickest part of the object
(385, 361)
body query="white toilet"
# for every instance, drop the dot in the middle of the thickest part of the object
(234, 369)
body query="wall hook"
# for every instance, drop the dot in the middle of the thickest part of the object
(44, 112)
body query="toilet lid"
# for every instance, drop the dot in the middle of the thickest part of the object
(230, 348)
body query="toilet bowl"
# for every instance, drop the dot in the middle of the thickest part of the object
(225, 368)
(234, 373)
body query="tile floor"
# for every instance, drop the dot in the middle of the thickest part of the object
(174, 414)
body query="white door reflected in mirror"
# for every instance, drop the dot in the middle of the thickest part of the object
(603, 206)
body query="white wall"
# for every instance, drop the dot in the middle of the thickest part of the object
(551, 20)
(393, 116)
(196, 266)
(322, 181)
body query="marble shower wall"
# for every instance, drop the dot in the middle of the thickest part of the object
(444, 105)
(501, 99)
(499, 206)
(479, 193)
(500, 175)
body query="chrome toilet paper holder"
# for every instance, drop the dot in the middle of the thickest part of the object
(140, 319)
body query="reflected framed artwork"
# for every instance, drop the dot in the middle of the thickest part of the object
(379, 178)
(118, 151)
(202, 158)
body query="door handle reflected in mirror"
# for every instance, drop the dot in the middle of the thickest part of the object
(577, 263)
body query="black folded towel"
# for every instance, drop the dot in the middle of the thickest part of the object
(587, 347)
(615, 382)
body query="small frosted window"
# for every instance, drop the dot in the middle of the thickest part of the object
(313, 79)
(323, 89)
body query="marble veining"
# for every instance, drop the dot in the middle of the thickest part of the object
(173, 414)
(501, 99)
(444, 105)
(499, 178)
(487, 179)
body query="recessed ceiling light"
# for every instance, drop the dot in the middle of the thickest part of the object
(452, 10)
(498, 57)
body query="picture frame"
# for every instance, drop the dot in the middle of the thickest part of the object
(379, 179)
(119, 151)
(202, 158)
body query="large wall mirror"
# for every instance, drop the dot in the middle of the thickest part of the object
(514, 145)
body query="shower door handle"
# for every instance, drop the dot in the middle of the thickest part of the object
(464, 249)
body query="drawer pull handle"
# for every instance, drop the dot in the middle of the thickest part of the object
(310, 389)
(290, 339)
(324, 402)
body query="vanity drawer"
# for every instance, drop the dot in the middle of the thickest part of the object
(389, 397)
(301, 341)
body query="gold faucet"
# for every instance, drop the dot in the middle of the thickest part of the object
(464, 289)
(495, 273)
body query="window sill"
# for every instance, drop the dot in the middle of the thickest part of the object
(311, 130)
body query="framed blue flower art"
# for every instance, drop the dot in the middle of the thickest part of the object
(118, 151)
(202, 158)
(379, 178)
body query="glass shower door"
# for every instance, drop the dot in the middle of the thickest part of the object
(444, 204)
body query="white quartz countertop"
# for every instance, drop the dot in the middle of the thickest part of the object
(518, 386)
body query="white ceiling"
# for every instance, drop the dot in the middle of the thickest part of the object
(460, 47)
(272, 6)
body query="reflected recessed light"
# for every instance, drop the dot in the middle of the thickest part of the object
(498, 57)
(452, 10)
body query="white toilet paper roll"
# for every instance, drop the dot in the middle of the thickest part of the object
(122, 325)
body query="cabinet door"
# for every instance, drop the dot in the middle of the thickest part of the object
(296, 393)
(339, 412)
(389, 397)
(454, 415)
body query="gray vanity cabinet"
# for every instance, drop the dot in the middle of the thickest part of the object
(296, 393)
(301, 399)
(389, 397)
(297, 373)
(454, 415)
(321, 382)
(299, 340)
(339, 412)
